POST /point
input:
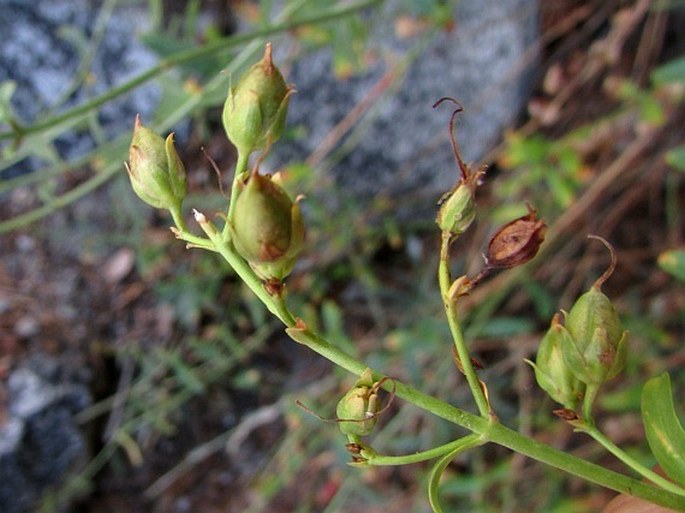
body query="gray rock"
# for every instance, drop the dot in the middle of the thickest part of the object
(485, 62)
(39, 442)
(39, 57)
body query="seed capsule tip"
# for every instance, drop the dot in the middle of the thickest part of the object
(612, 265)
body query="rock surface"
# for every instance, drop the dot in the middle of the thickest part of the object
(39, 441)
(43, 44)
(485, 62)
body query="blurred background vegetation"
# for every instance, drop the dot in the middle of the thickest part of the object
(195, 386)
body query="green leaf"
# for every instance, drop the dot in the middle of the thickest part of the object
(665, 433)
(502, 326)
(665, 5)
(673, 71)
(543, 301)
(676, 158)
(7, 89)
(673, 262)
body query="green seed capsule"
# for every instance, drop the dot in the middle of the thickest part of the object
(598, 351)
(267, 228)
(358, 408)
(255, 109)
(157, 174)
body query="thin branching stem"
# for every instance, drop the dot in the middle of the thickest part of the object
(450, 304)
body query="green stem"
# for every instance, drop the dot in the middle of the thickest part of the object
(194, 241)
(445, 281)
(177, 216)
(429, 454)
(591, 392)
(182, 232)
(222, 45)
(240, 170)
(484, 427)
(61, 201)
(630, 461)
(275, 304)
(464, 444)
(495, 432)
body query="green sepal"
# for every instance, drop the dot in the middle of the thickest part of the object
(176, 169)
(284, 265)
(458, 211)
(591, 310)
(243, 125)
(551, 371)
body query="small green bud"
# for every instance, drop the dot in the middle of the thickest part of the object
(157, 174)
(255, 109)
(267, 228)
(458, 207)
(358, 408)
(458, 211)
(551, 371)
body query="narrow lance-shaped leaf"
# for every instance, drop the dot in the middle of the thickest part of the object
(665, 433)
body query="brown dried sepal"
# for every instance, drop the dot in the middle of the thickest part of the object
(474, 362)
(274, 287)
(566, 414)
(516, 242)
(353, 448)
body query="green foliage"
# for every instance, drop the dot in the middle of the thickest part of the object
(664, 430)
(673, 262)
(411, 343)
(536, 159)
(197, 67)
(671, 72)
(539, 160)
(346, 37)
(676, 158)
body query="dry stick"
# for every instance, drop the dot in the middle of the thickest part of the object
(650, 46)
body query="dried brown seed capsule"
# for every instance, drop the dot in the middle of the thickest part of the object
(516, 242)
